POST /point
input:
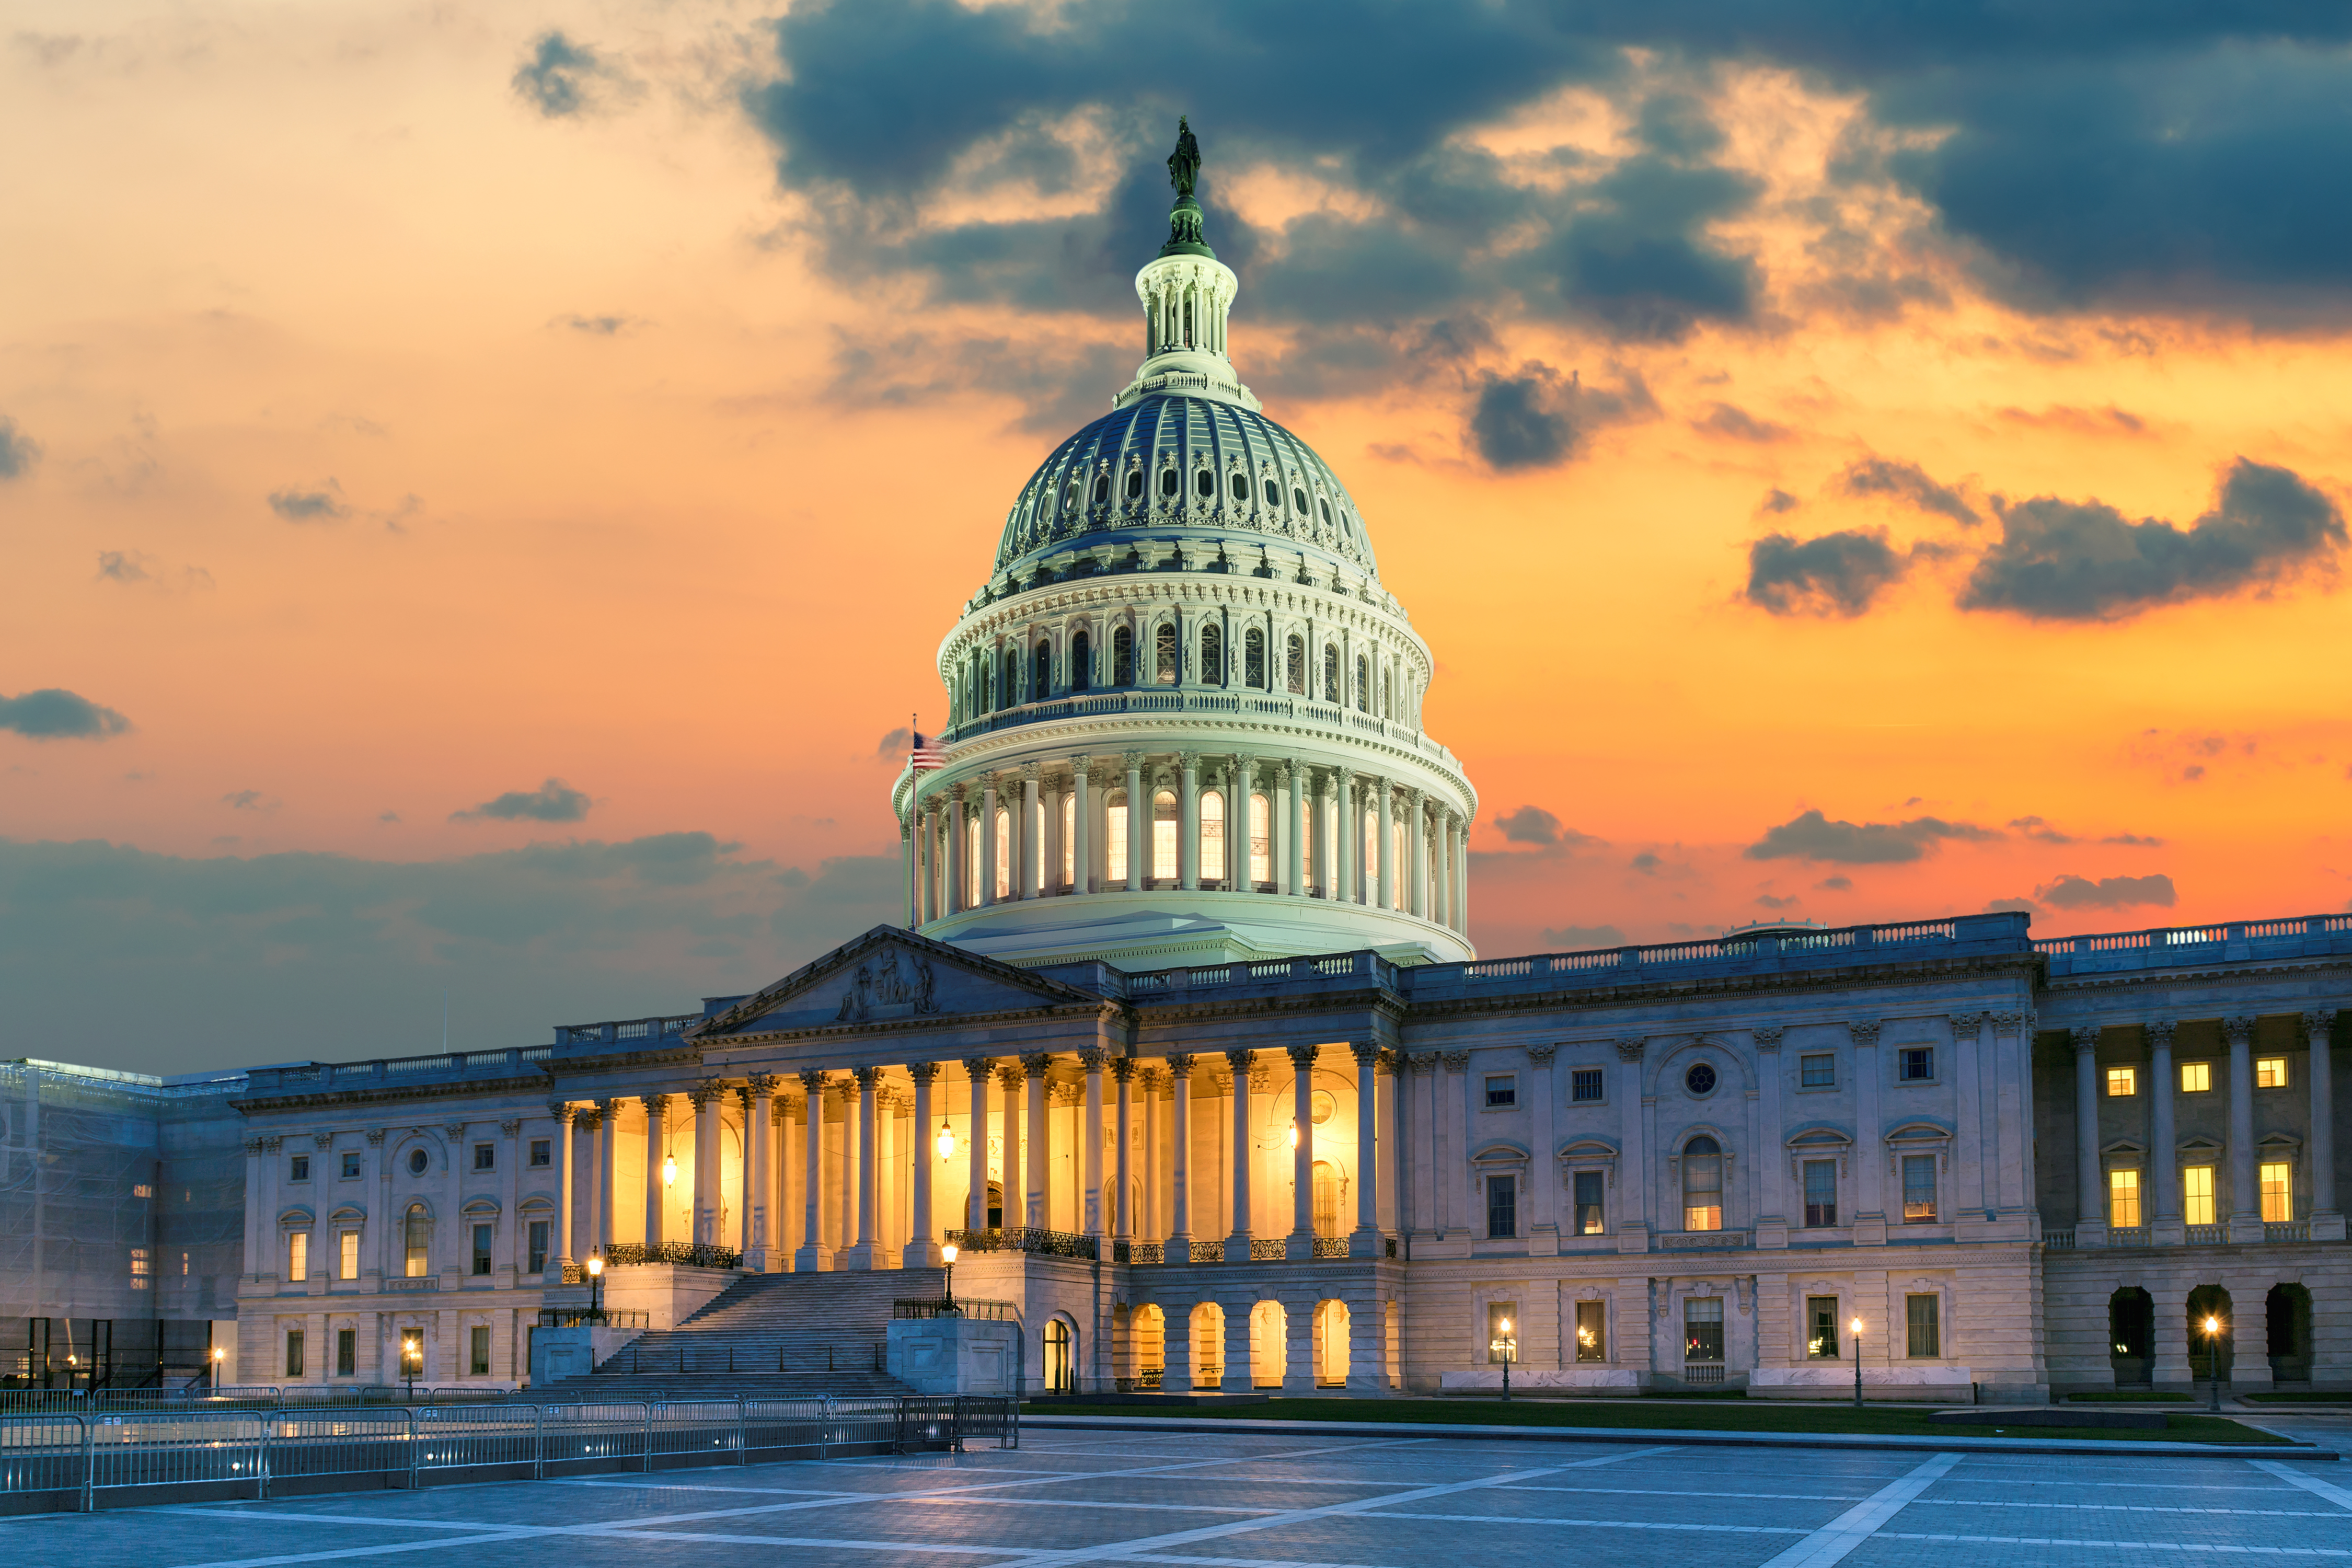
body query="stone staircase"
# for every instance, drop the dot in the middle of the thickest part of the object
(766, 1336)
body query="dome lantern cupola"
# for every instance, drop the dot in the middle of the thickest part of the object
(1187, 295)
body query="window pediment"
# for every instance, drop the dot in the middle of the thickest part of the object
(537, 1203)
(297, 1215)
(1919, 1133)
(349, 1213)
(1822, 1139)
(1499, 1152)
(480, 1208)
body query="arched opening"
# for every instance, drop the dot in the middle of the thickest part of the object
(1147, 1346)
(1135, 484)
(1261, 842)
(418, 1242)
(1324, 504)
(1241, 487)
(1212, 837)
(1102, 489)
(1702, 1184)
(1082, 664)
(1212, 655)
(1011, 678)
(1003, 853)
(1330, 1344)
(1208, 1330)
(1298, 500)
(996, 1206)
(1297, 670)
(1163, 837)
(2207, 1348)
(2131, 1333)
(1272, 492)
(1327, 1199)
(1061, 1368)
(1363, 684)
(1122, 657)
(1204, 483)
(1163, 654)
(972, 862)
(1170, 482)
(2288, 1311)
(1268, 1345)
(1332, 674)
(1115, 839)
(1254, 659)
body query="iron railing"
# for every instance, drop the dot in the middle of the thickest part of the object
(1263, 1249)
(694, 1255)
(1025, 1239)
(80, 1462)
(960, 1307)
(582, 1317)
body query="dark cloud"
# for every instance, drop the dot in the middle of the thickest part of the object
(1777, 500)
(597, 326)
(1645, 863)
(1534, 825)
(1738, 424)
(2033, 828)
(1810, 836)
(561, 79)
(1571, 939)
(553, 801)
(2071, 892)
(130, 566)
(1834, 885)
(2134, 840)
(222, 962)
(1905, 482)
(54, 713)
(2011, 906)
(2084, 560)
(1536, 420)
(1836, 573)
(1777, 900)
(324, 504)
(893, 746)
(17, 450)
(248, 800)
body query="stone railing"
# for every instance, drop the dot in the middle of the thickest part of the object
(1700, 1240)
(1208, 1250)
(2287, 1230)
(690, 1255)
(2167, 947)
(1025, 1239)
(2127, 1235)
(1138, 1252)
(1243, 702)
(2209, 1234)
(421, 1282)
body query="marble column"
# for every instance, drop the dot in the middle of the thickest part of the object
(1049, 882)
(1347, 833)
(1301, 1242)
(922, 1249)
(979, 1070)
(861, 1254)
(1139, 823)
(927, 901)
(1326, 877)
(1188, 820)
(565, 1168)
(1179, 1151)
(1237, 1241)
(815, 1250)
(988, 846)
(2245, 1193)
(704, 1227)
(1122, 1070)
(1543, 1174)
(1032, 868)
(1635, 1178)
(1082, 827)
(2090, 1203)
(1869, 1138)
(657, 1107)
(1149, 1224)
(1292, 781)
(608, 1181)
(1012, 1170)
(1417, 847)
(1037, 1205)
(2319, 1154)
(907, 868)
(1365, 1240)
(1093, 1219)
(1462, 876)
(959, 856)
(2164, 1153)
(1386, 897)
(759, 1133)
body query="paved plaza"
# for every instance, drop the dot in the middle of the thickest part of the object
(1264, 1501)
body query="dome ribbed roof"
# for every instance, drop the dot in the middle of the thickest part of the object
(1113, 478)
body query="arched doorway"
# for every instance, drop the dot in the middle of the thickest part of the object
(1147, 1346)
(1327, 1199)
(1208, 1329)
(1268, 1345)
(996, 1206)
(2288, 1309)
(2131, 1330)
(1331, 1323)
(1061, 1368)
(2210, 1302)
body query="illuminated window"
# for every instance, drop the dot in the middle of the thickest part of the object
(1918, 1186)
(2196, 1078)
(1589, 1221)
(1591, 1330)
(347, 1261)
(2197, 1194)
(1212, 837)
(418, 1241)
(1115, 839)
(1703, 1329)
(1069, 840)
(1820, 1192)
(1401, 861)
(2270, 1072)
(1702, 1184)
(297, 1256)
(1163, 837)
(1822, 1327)
(2123, 1197)
(1920, 1316)
(1261, 843)
(2122, 1082)
(2278, 1192)
(1003, 853)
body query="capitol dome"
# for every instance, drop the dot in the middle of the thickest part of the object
(1183, 713)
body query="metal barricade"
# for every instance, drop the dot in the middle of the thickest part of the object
(43, 1459)
(862, 1426)
(335, 1447)
(927, 1421)
(477, 1437)
(785, 1428)
(42, 1401)
(199, 1454)
(983, 1416)
(706, 1431)
(589, 1438)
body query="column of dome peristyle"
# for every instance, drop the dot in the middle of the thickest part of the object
(1188, 303)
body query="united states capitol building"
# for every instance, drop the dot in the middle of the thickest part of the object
(1183, 1044)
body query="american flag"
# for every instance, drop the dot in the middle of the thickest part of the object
(928, 753)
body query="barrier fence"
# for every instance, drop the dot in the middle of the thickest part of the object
(88, 1459)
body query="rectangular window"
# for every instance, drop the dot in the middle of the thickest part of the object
(2123, 1197)
(1591, 1330)
(539, 1231)
(417, 1244)
(1589, 1219)
(2122, 1082)
(2196, 1078)
(2278, 1192)
(293, 1352)
(1502, 1205)
(1502, 1331)
(1261, 849)
(1703, 1329)
(482, 1233)
(1817, 1072)
(542, 1151)
(1822, 1327)
(1918, 1187)
(2270, 1072)
(350, 1164)
(1920, 1316)
(1114, 839)
(1821, 1192)
(479, 1362)
(1584, 1085)
(347, 1261)
(298, 1168)
(486, 1156)
(1918, 1064)
(297, 1256)
(1502, 1090)
(2197, 1194)
(347, 1352)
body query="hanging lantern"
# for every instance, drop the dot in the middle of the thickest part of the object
(669, 1170)
(945, 1143)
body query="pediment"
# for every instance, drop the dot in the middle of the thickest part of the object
(887, 975)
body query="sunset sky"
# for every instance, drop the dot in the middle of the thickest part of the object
(482, 489)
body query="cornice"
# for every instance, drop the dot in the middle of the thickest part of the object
(2242, 972)
(1881, 977)
(1107, 1011)
(454, 1088)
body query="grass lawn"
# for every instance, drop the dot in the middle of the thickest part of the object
(1878, 1421)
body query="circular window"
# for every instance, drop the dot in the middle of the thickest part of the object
(416, 1161)
(1700, 1079)
(1325, 1106)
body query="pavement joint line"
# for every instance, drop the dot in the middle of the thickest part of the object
(2216, 1547)
(2129, 1508)
(1673, 1491)
(262, 1513)
(847, 1543)
(700, 1486)
(2339, 1496)
(1245, 1562)
(1833, 1542)
(439, 1542)
(1600, 1523)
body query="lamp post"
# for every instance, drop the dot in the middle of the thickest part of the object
(1507, 1347)
(412, 1362)
(596, 1287)
(2213, 1360)
(948, 1257)
(219, 1355)
(1856, 1327)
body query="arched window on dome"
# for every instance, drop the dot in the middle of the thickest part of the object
(1122, 657)
(1003, 853)
(1082, 663)
(1325, 502)
(1261, 843)
(1163, 654)
(1298, 500)
(1205, 482)
(1169, 482)
(1212, 655)
(1102, 489)
(1240, 487)
(1041, 679)
(1254, 658)
(1134, 484)
(1273, 493)
(1331, 675)
(1297, 664)
(1702, 1184)
(1163, 838)
(1011, 692)
(1115, 839)
(986, 677)
(1212, 835)
(1363, 684)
